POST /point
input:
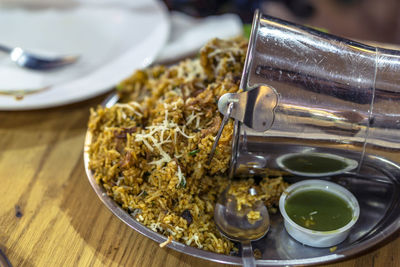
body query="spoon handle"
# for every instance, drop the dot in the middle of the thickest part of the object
(221, 127)
(5, 48)
(247, 255)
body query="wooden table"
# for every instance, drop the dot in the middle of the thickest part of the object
(50, 216)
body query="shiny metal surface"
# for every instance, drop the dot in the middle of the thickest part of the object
(376, 187)
(235, 225)
(331, 93)
(254, 108)
(35, 62)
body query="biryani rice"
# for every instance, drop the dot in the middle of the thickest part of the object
(150, 150)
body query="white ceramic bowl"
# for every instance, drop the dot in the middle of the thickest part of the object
(318, 238)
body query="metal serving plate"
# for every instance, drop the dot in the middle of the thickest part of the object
(376, 187)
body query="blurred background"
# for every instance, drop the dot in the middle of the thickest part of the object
(357, 19)
(106, 36)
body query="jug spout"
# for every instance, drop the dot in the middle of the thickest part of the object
(336, 98)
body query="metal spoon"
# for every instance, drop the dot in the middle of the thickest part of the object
(235, 225)
(31, 61)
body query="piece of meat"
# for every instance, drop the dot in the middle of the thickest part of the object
(126, 160)
(122, 134)
(187, 216)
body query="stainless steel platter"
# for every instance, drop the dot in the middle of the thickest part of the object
(376, 187)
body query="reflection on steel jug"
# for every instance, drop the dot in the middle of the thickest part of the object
(312, 99)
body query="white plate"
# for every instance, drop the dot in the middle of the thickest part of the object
(113, 41)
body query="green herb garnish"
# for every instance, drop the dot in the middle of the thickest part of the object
(143, 193)
(194, 152)
(146, 176)
(247, 30)
(183, 183)
(119, 87)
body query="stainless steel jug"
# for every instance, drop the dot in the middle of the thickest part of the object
(315, 99)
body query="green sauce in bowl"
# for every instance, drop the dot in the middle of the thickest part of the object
(313, 164)
(318, 210)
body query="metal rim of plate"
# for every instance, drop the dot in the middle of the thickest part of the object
(362, 245)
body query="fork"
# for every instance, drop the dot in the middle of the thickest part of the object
(35, 62)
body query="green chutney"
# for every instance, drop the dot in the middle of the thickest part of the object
(318, 210)
(313, 164)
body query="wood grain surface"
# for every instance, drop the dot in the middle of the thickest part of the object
(50, 216)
